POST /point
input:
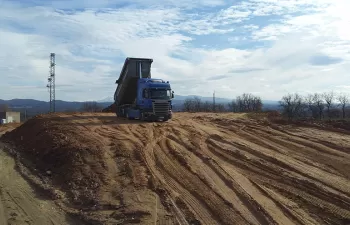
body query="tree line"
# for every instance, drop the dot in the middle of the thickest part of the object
(91, 107)
(291, 106)
(315, 106)
(244, 103)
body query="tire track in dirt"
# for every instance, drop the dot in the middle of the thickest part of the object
(319, 172)
(297, 140)
(246, 151)
(198, 185)
(168, 182)
(329, 196)
(260, 212)
(316, 206)
(290, 208)
(219, 181)
(254, 199)
(339, 195)
(241, 202)
(263, 216)
(298, 152)
(334, 140)
(296, 166)
(145, 154)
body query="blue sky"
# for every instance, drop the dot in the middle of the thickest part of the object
(265, 47)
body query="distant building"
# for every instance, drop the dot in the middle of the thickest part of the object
(10, 117)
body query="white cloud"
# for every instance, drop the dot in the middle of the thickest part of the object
(274, 43)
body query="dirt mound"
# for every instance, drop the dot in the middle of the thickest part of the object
(195, 169)
(59, 149)
(331, 125)
(111, 108)
(99, 173)
(20, 203)
(8, 127)
(342, 124)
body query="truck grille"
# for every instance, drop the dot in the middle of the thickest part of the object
(160, 108)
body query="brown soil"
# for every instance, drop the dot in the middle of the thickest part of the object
(22, 202)
(8, 127)
(111, 108)
(194, 169)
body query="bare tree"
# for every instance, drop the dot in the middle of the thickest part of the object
(310, 104)
(220, 107)
(319, 104)
(188, 105)
(240, 104)
(343, 101)
(207, 106)
(248, 103)
(232, 106)
(91, 107)
(243, 103)
(328, 97)
(197, 103)
(257, 104)
(292, 106)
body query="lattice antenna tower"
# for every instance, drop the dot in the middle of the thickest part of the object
(51, 83)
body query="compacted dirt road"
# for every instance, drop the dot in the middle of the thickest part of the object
(19, 202)
(194, 169)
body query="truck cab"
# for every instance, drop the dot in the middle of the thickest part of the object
(154, 99)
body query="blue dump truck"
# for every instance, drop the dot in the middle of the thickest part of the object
(138, 96)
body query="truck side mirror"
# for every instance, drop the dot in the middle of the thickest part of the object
(172, 94)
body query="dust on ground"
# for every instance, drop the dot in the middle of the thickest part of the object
(20, 203)
(194, 169)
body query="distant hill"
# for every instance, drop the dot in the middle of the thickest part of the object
(32, 107)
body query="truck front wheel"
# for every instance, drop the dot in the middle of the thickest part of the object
(128, 117)
(143, 117)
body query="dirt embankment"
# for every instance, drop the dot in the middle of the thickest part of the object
(8, 127)
(194, 169)
(22, 202)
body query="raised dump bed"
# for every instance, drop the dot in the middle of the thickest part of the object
(133, 69)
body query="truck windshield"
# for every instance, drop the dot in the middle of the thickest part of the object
(160, 94)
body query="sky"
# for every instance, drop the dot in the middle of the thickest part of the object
(265, 47)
